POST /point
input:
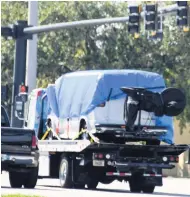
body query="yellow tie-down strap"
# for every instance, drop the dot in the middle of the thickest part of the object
(92, 137)
(46, 133)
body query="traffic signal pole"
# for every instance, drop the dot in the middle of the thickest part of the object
(92, 22)
(16, 32)
(31, 59)
(19, 68)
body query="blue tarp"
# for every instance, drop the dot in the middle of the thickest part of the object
(78, 93)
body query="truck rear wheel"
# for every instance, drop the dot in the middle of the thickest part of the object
(92, 184)
(31, 178)
(16, 179)
(148, 189)
(79, 186)
(65, 172)
(134, 186)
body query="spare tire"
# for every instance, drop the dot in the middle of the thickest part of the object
(174, 101)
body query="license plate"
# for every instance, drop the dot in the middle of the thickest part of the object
(98, 163)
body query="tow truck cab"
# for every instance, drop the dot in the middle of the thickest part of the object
(36, 116)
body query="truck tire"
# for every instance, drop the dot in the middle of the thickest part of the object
(92, 184)
(79, 186)
(31, 178)
(148, 189)
(16, 179)
(106, 180)
(134, 186)
(65, 173)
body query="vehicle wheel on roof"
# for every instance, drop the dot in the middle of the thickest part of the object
(92, 184)
(16, 179)
(50, 134)
(31, 178)
(148, 189)
(83, 136)
(65, 172)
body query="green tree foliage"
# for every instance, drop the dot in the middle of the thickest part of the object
(99, 47)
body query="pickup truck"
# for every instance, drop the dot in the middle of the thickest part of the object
(19, 154)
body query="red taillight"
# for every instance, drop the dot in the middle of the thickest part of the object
(109, 173)
(34, 141)
(172, 158)
(100, 156)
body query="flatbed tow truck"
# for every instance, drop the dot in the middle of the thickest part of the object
(82, 162)
(135, 155)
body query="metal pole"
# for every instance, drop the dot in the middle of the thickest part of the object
(69, 25)
(31, 61)
(19, 71)
(53, 27)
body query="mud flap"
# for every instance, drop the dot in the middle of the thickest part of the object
(44, 164)
(156, 181)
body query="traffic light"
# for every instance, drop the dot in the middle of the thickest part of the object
(150, 17)
(20, 101)
(134, 20)
(182, 14)
(23, 89)
(23, 92)
(158, 34)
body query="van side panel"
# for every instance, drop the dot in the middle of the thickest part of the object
(114, 111)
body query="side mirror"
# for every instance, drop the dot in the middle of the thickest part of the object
(20, 100)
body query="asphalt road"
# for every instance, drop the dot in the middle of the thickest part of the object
(50, 188)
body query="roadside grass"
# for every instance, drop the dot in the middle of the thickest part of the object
(18, 195)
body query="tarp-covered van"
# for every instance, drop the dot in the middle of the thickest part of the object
(93, 98)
